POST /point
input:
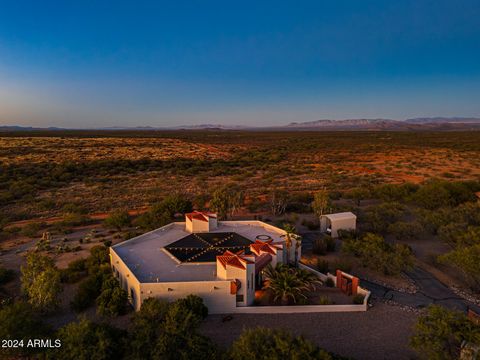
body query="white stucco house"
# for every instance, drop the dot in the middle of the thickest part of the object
(331, 223)
(220, 261)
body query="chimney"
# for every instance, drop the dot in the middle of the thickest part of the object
(200, 221)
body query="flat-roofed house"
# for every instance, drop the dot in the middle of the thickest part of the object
(332, 223)
(220, 261)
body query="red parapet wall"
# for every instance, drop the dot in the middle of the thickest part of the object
(347, 283)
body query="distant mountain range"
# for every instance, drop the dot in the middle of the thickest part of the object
(415, 124)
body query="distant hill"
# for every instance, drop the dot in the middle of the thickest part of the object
(414, 124)
(444, 120)
(437, 123)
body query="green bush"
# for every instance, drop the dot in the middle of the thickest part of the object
(324, 300)
(341, 264)
(6, 275)
(358, 299)
(406, 230)
(118, 219)
(87, 292)
(75, 271)
(263, 343)
(440, 332)
(322, 265)
(379, 255)
(329, 282)
(88, 340)
(319, 247)
(112, 300)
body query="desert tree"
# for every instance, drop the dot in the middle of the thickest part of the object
(118, 219)
(289, 237)
(278, 201)
(439, 333)
(320, 202)
(263, 343)
(41, 282)
(226, 200)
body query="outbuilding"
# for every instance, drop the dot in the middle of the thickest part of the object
(331, 223)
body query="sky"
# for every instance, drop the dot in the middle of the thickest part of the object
(82, 64)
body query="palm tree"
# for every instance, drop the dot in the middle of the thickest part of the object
(307, 278)
(286, 286)
(287, 283)
(289, 236)
(298, 244)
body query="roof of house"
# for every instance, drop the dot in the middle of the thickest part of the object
(200, 215)
(232, 259)
(149, 260)
(341, 216)
(265, 246)
(204, 247)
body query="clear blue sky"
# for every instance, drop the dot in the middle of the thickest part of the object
(97, 63)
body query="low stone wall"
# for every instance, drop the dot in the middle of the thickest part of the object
(324, 277)
(298, 309)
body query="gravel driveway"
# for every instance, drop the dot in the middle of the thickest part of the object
(382, 332)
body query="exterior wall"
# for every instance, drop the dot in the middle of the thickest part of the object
(215, 294)
(212, 222)
(196, 226)
(126, 278)
(234, 273)
(337, 224)
(343, 224)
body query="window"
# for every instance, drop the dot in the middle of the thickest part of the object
(239, 298)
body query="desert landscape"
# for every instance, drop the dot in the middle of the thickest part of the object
(68, 195)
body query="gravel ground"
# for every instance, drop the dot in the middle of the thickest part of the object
(380, 333)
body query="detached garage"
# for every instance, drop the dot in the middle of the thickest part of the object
(331, 223)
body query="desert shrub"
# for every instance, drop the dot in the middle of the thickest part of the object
(88, 340)
(263, 343)
(379, 255)
(75, 271)
(74, 219)
(99, 255)
(341, 264)
(195, 305)
(319, 247)
(41, 282)
(163, 212)
(226, 200)
(112, 300)
(467, 260)
(311, 225)
(146, 329)
(178, 337)
(394, 192)
(330, 242)
(440, 332)
(118, 219)
(406, 230)
(74, 208)
(358, 299)
(31, 230)
(433, 220)
(19, 321)
(432, 195)
(322, 265)
(87, 292)
(278, 200)
(377, 218)
(329, 282)
(6, 275)
(324, 300)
